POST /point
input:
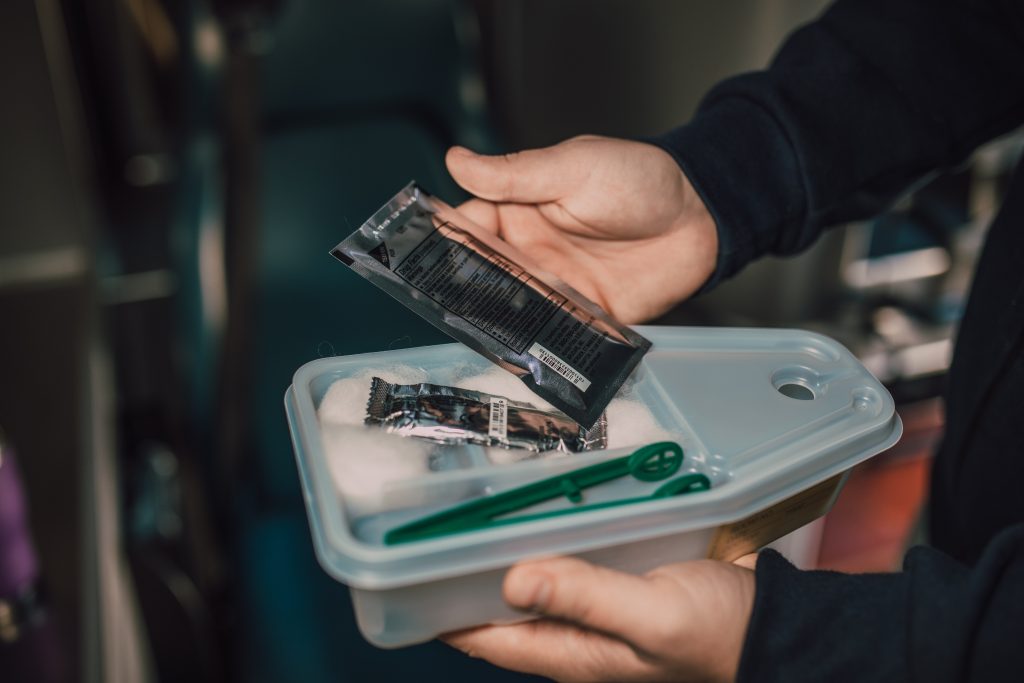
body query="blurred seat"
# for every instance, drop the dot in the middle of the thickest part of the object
(357, 98)
(319, 184)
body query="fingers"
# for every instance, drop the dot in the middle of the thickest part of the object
(559, 651)
(619, 604)
(484, 214)
(531, 176)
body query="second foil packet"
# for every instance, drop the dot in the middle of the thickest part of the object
(450, 415)
(486, 294)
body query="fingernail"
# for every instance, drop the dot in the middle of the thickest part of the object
(528, 590)
(461, 151)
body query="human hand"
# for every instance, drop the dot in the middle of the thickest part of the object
(681, 622)
(617, 220)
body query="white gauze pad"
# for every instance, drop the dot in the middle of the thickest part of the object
(362, 460)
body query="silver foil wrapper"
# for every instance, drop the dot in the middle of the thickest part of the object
(450, 415)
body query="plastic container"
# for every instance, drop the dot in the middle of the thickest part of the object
(775, 418)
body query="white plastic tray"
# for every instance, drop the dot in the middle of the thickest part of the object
(720, 391)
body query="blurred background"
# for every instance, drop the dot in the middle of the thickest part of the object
(172, 177)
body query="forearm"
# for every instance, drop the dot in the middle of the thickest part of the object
(855, 107)
(935, 621)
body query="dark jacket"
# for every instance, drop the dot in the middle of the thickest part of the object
(856, 107)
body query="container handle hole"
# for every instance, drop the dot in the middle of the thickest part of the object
(797, 391)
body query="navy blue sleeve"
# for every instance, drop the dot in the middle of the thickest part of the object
(936, 621)
(854, 109)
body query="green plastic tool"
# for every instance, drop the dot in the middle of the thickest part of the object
(654, 462)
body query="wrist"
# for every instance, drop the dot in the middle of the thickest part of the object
(743, 169)
(726, 666)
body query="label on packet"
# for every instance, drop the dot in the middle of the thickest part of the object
(450, 415)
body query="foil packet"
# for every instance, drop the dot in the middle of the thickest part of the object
(450, 415)
(487, 295)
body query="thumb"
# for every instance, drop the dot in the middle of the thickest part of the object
(619, 604)
(530, 177)
(748, 561)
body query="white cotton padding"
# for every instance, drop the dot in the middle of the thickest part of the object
(630, 423)
(345, 400)
(363, 460)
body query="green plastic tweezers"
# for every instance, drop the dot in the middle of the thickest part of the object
(653, 462)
